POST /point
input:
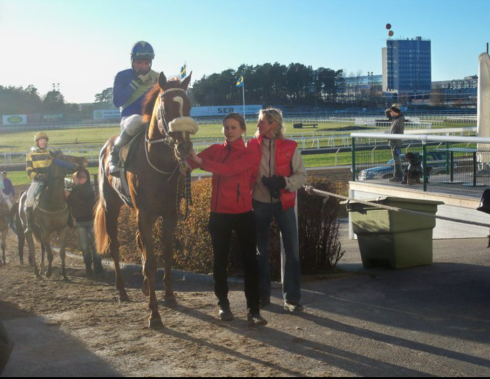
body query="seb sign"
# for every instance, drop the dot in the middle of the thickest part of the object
(224, 110)
(17, 119)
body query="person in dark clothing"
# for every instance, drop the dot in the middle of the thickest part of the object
(8, 194)
(8, 188)
(397, 119)
(231, 210)
(82, 201)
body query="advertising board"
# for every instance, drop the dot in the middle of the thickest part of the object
(224, 110)
(107, 114)
(12, 120)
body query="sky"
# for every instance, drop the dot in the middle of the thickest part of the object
(82, 44)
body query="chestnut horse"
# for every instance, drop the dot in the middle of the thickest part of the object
(153, 176)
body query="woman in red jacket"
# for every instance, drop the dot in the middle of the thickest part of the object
(232, 165)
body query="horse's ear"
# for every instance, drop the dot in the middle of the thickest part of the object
(162, 80)
(186, 82)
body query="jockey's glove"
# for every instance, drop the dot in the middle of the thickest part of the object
(41, 178)
(143, 78)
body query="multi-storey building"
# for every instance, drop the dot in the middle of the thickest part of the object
(407, 66)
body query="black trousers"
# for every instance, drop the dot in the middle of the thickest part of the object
(221, 227)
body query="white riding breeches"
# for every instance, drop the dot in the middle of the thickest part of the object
(33, 191)
(132, 125)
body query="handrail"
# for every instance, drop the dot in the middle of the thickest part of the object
(422, 138)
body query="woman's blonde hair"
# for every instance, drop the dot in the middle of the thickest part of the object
(271, 115)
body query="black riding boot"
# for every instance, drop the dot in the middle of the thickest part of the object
(29, 217)
(121, 141)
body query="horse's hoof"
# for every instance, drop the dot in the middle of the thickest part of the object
(155, 323)
(170, 302)
(124, 299)
(48, 274)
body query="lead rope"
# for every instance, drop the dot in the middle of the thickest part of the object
(184, 191)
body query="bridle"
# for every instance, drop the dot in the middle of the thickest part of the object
(164, 127)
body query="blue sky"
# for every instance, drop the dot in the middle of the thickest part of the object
(82, 44)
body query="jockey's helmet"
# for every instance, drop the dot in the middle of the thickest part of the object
(142, 50)
(41, 135)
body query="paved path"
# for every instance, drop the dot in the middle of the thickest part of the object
(429, 321)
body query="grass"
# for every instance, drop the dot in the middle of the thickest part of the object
(21, 142)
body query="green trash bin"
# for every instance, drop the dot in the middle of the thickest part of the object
(394, 239)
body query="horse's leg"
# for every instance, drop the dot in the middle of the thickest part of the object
(47, 246)
(63, 235)
(21, 244)
(112, 215)
(145, 228)
(43, 253)
(32, 253)
(4, 246)
(169, 226)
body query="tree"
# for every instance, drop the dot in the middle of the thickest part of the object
(54, 102)
(104, 97)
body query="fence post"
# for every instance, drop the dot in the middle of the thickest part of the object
(448, 160)
(353, 159)
(424, 159)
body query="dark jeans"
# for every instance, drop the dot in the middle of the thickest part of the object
(87, 243)
(287, 222)
(221, 227)
(398, 170)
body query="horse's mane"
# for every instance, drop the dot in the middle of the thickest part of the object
(152, 95)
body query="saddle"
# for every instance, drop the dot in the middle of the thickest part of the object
(127, 151)
(125, 156)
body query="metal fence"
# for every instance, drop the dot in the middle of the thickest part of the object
(455, 165)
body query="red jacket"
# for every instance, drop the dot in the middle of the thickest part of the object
(232, 166)
(284, 154)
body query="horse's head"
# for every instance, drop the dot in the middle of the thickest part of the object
(66, 164)
(171, 114)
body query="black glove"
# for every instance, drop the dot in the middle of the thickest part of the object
(274, 184)
(41, 178)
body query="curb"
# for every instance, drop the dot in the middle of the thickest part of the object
(176, 274)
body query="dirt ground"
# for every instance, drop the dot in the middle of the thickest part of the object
(79, 328)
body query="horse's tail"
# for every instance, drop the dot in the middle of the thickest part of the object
(102, 240)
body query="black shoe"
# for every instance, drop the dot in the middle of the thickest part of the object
(264, 302)
(293, 307)
(225, 314)
(255, 319)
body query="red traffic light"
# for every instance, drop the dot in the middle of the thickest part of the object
(391, 33)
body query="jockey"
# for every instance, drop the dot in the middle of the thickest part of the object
(39, 161)
(130, 88)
